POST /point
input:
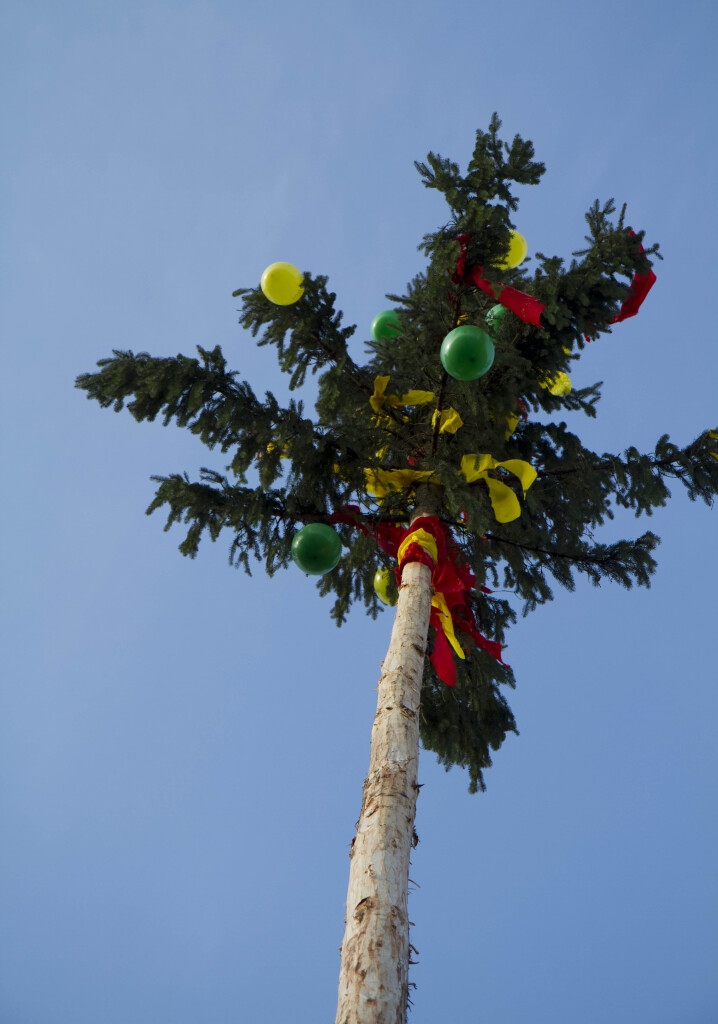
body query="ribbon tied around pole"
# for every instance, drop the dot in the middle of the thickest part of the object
(427, 541)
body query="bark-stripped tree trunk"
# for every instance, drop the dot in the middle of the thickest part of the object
(373, 981)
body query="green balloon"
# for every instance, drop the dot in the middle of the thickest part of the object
(316, 548)
(467, 352)
(385, 326)
(495, 316)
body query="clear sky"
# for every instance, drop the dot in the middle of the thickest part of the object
(182, 748)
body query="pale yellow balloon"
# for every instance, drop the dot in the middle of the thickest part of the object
(518, 248)
(282, 284)
(381, 586)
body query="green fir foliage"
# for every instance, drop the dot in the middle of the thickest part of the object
(286, 468)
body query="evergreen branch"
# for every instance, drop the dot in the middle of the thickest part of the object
(636, 480)
(601, 555)
(439, 409)
(313, 327)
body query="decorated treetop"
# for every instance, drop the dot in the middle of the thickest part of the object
(518, 498)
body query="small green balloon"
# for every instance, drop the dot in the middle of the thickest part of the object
(495, 316)
(382, 580)
(385, 326)
(467, 352)
(316, 548)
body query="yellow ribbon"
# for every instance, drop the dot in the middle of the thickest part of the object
(714, 435)
(447, 623)
(380, 481)
(426, 541)
(512, 423)
(558, 384)
(450, 421)
(285, 450)
(503, 500)
(379, 399)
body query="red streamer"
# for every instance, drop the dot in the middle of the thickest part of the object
(529, 309)
(450, 577)
(526, 307)
(349, 515)
(455, 581)
(388, 537)
(641, 285)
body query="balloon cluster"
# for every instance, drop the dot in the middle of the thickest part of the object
(467, 353)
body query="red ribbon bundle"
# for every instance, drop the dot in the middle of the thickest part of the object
(453, 581)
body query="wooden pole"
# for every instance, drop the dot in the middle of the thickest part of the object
(373, 981)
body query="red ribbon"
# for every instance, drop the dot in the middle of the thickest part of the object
(641, 285)
(526, 307)
(350, 516)
(449, 576)
(529, 309)
(388, 537)
(455, 581)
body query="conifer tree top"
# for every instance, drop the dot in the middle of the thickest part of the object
(375, 454)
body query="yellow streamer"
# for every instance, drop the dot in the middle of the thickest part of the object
(512, 423)
(439, 602)
(380, 482)
(425, 540)
(558, 384)
(503, 500)
(714, 435)
(285, 450)
(450, 421)
(416, 398)
(379, 399)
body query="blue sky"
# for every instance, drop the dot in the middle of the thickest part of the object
(182, 748)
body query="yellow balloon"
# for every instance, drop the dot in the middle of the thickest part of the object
(381, 586)
(282, 284)
(517, 251)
